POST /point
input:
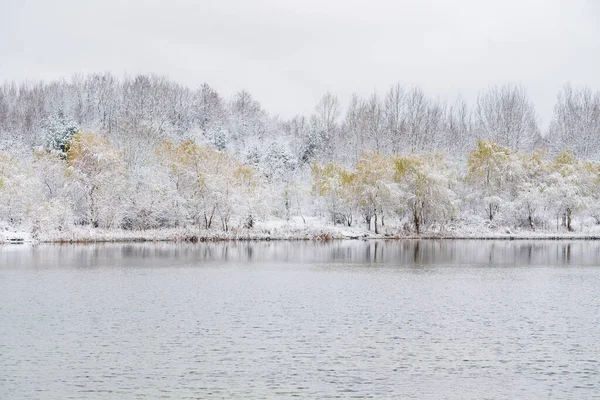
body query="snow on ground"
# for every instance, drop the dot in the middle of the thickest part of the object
(11, 235)
(311, 228)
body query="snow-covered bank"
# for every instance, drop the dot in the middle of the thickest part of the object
(310, 229)
(10, 235)
(180, 235)
(272, 230)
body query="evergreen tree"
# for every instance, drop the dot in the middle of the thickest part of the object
(58, 130)
(313, 143)
(277, 161)
(218, 136)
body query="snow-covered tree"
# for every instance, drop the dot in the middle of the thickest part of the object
(532, 191)
(338, 188)
(208, 107)
(99, 170)
(506, 116)
(458, 130)
(374, 175)
(313, 144)
(576, 123)
(58, 130)
(375, 164)
(218, 136)
(210, 184)
(19, 192)
(493, 171)
(572, 184)
(425, 189)
(277, 162)
(326, 112)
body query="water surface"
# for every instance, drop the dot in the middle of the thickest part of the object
(378, 319)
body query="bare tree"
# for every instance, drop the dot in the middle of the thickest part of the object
(352, 128)
(416, 112)
(327, 111)
(433, 127)
(395, 116)
(247, 116)
(459, 136)
(373, 120)
(506, 115)
(576, 122)
(208, 107)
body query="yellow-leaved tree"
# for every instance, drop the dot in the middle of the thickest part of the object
(374, 176)
(210, 183)
(494, 171)
(100, 171)
(425, 189)
(337, 186)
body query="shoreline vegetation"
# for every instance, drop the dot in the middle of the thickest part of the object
(323, 234)
(102, 159)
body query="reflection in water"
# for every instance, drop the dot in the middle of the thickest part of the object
(394, 252)
(250, 320)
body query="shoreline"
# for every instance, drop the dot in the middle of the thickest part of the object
(158, 236)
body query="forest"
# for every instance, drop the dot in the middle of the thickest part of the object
(146, 153)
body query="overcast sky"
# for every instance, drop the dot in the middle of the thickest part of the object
(288, 53)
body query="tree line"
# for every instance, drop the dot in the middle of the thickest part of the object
(146, 152)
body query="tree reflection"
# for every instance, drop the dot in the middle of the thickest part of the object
(388, 252)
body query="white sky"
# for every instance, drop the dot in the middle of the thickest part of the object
(288, 53)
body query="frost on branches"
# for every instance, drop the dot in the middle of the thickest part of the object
(145, 154)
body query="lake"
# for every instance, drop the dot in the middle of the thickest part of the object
(345, 319)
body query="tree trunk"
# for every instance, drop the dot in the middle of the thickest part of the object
(93, 211)
(225, 223)
(376, 227)
(300, 210)
(417, 219)
(530, 212)
(531, 223)
(417, 224)
(208, 219)
(569, 220)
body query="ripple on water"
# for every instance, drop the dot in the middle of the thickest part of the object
(414, 319)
